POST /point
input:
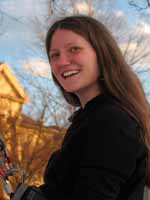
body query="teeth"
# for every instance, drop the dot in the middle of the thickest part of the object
(70, 73)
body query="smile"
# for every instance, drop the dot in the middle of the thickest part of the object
(70, 73)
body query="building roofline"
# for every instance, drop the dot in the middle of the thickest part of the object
(13, 81)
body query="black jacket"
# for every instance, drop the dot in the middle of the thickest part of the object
(102, 156)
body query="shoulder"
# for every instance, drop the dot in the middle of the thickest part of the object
(112, 122)
(112, 139)
(113, 115)
(111, 127)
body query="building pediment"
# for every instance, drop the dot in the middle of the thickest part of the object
(10, 86)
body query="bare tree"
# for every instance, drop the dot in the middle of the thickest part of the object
(133, 43)
(143, 5)
(46, 103)
(28, 141)
(44, 100)
(136, 49)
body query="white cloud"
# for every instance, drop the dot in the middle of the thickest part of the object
(82, 7)
(143, 27)
(141, 52)
(17, 8)
(140, 32)
(38, 67)
(147, 11)
(146, 27)
(132, 46)
(119, 13)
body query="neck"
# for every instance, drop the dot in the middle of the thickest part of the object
(86, 96)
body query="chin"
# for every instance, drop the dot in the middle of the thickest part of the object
(71, 90)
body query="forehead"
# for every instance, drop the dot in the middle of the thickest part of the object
(63, 37)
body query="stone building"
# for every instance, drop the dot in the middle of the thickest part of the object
(28, 141)
(12, 95)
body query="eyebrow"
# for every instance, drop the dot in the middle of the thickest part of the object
(69, 44)
(53, 50)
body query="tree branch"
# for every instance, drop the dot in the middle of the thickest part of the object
(138, 7)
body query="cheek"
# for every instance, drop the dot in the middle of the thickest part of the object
(55, 72)
(53, 68)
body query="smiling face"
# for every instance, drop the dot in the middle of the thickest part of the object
(74, 64)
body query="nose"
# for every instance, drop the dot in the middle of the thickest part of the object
(63, 59)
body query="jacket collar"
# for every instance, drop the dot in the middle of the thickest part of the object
(89, 107)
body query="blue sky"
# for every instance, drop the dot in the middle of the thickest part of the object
(17, 43)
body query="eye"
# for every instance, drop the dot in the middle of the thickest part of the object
(75, 49)
(54, 56)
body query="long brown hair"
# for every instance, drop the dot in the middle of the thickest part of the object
(116, 77)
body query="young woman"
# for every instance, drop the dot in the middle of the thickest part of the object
(103, 155)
